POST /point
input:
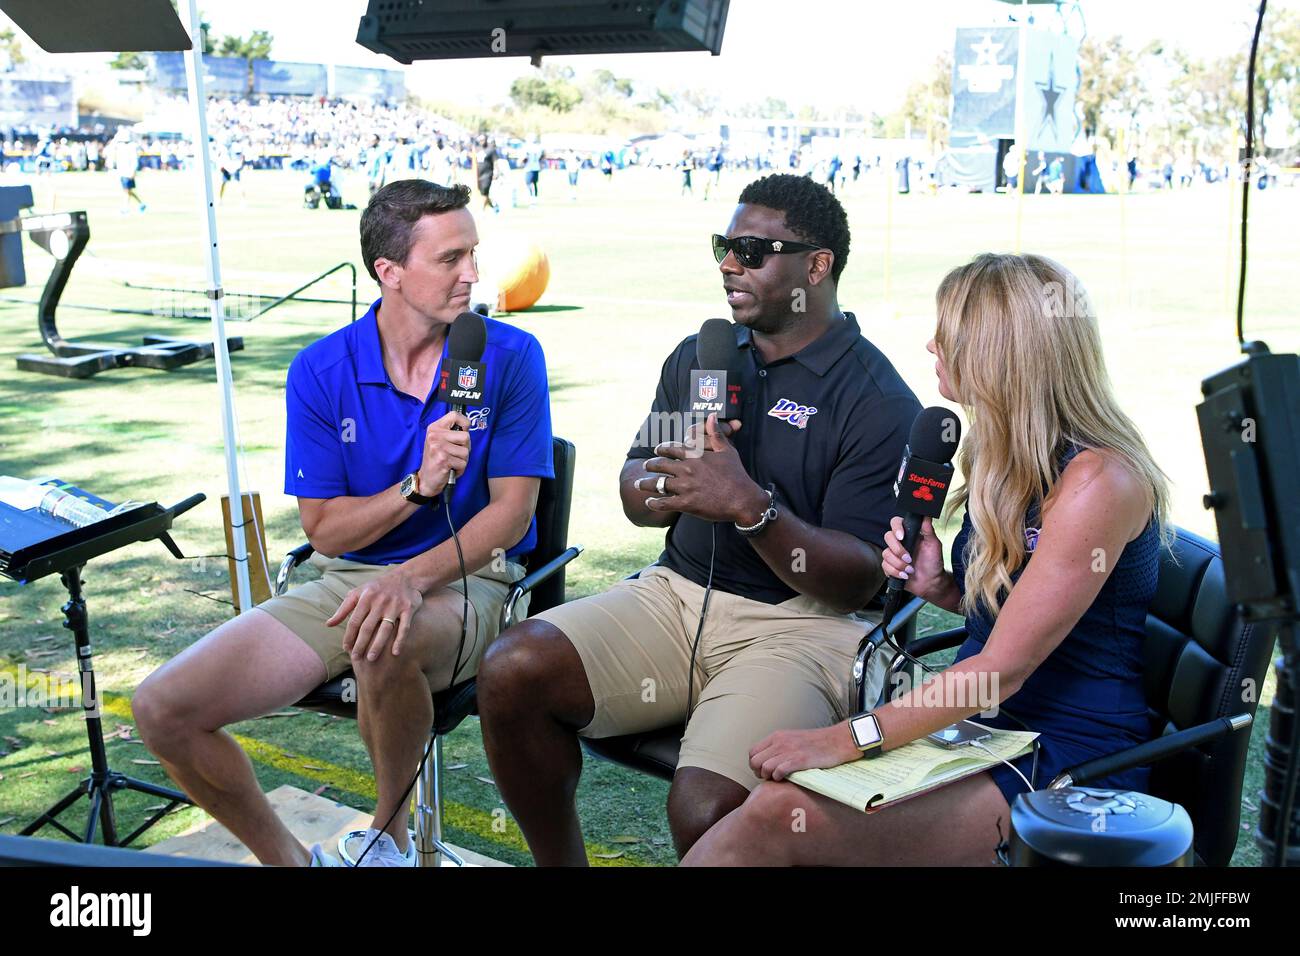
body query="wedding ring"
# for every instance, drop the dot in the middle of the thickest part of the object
(659, 485)
(388, 620)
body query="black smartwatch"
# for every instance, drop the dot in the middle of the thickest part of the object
(409, 492)
(866, 734)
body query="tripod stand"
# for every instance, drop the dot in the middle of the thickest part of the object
(33, 545)
(103, 781)
(1278, 833)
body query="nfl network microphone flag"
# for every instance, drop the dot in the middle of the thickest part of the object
(464, 359)
(468, 388)
(460, 380)
(715, 385)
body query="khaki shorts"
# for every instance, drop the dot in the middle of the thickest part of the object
(306, 608)
(759, 668)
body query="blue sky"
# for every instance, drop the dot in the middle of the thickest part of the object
(863, 52)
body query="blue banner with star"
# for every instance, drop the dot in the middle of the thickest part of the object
(983, 84)
(984, 87)
(1050, 82)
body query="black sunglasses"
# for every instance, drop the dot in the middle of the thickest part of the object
(750, 250)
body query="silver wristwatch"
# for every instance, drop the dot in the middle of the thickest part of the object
(769, 515)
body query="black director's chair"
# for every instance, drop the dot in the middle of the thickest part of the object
(544, 583)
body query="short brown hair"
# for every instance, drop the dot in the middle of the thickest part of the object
(393, 212)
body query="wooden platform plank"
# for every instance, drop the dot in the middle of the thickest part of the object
(311, 818)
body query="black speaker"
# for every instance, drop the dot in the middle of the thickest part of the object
(1085, 826)
(1250, 427)
(408, 30)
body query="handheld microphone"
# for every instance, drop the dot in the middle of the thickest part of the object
(465, 344)
(715, 388)
(922, 484)
(715, 385)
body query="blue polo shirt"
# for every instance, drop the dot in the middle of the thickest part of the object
(351, 432)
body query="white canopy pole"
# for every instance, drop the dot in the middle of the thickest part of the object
(199, 103)
(1022, 115)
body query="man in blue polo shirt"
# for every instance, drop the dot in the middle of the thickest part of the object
(368, 455)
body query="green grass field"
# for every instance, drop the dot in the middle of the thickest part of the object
(631, 275)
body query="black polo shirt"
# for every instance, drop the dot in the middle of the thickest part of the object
(823, 428)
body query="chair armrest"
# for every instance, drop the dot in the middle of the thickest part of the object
(872, 640)
(532, 579)
(917, 648)
(905, 615)
(938, 641)
(291, 560)
(1149, 752)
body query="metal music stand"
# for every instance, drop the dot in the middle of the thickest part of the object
(33, 545)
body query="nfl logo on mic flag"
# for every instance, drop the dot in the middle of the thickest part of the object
(466, 388)
(707, 391)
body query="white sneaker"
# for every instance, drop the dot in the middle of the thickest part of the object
(320, 858)
(384, 851)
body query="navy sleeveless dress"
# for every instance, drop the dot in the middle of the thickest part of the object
(1086, 699)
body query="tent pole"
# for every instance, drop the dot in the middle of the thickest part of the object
(203, 166)
(1022, 122)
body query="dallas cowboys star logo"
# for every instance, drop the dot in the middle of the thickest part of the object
(1051, 93)
(986, 53)
(986, 74)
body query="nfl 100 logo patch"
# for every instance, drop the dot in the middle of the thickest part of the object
(792, 413)
(478, 419)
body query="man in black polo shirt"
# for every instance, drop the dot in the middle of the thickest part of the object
(778, 511)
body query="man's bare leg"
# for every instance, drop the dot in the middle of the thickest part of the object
(247, 667)
(533, 698)
(698, 799)
(395, 705)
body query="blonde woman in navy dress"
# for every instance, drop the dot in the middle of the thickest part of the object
(1053, 569)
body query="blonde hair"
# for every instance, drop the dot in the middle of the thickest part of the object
(1020, 343)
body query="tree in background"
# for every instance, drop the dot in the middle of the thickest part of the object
(11, 49)
(551, 88)
(1113, 89)
(603, 82)
(1278, 69)
(927, 105)
(1207, 105)
(697, 102)
(256, 47)
(607, 94)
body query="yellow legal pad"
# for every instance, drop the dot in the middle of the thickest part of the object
(911, 769)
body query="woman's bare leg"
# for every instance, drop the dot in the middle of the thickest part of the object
(782, 824)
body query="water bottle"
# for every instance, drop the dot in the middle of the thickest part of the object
(75, 511)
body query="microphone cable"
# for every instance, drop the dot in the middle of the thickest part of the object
(1033, 770)
(704, 610)
(1248, 168)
